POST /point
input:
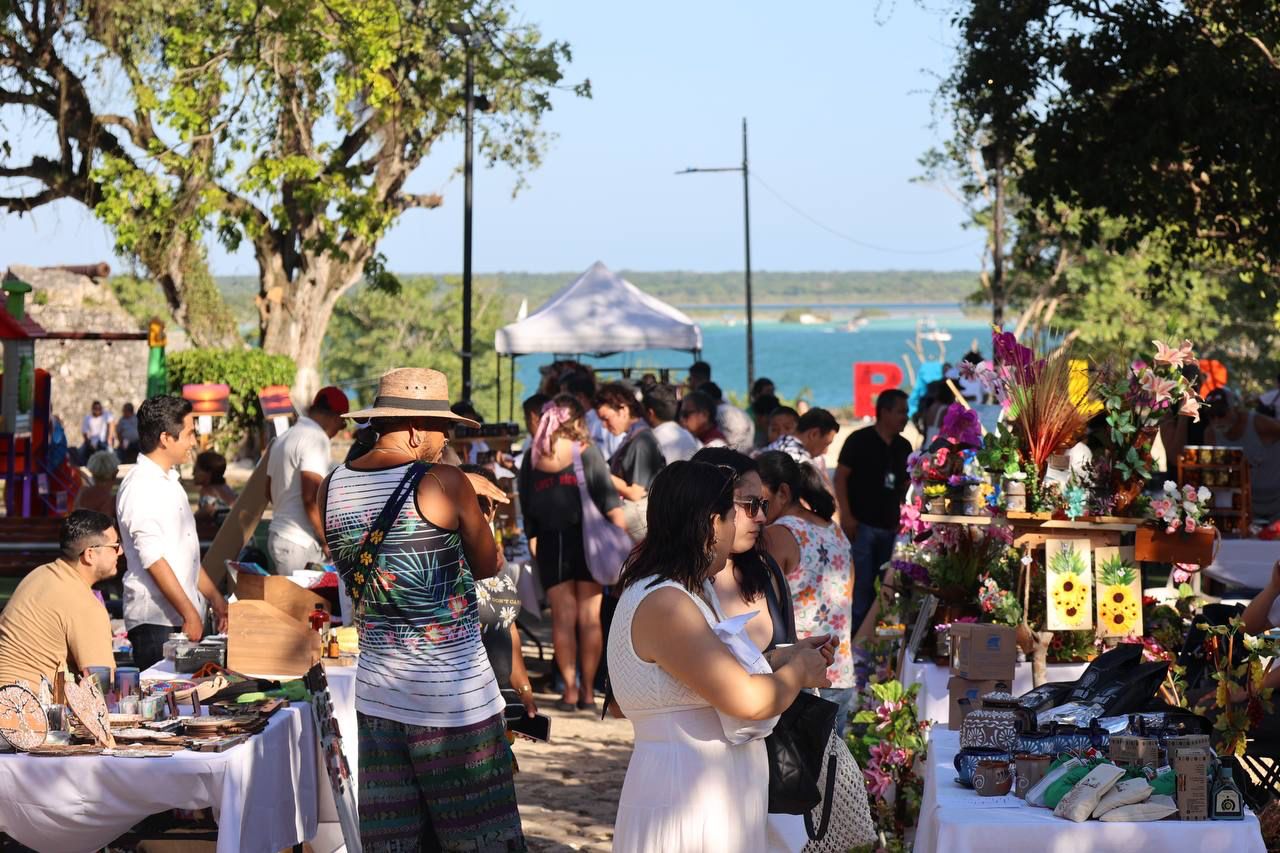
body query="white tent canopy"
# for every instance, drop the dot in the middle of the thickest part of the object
(599, 313)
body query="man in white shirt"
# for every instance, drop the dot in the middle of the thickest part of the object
(165, 588)
(296, 465)
(98, 431)
(660, 409)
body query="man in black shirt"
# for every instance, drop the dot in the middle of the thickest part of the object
(871, 484)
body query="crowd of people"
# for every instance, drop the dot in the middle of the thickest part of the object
(751, 577)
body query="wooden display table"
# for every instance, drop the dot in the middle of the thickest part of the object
(1031, 529)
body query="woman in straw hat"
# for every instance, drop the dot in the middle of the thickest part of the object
(410, 541)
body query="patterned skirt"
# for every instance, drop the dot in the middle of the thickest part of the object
(428, 788)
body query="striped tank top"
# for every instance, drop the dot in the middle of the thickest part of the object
(422, 661)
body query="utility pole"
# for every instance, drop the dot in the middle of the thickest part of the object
(746, 227)
(993, 155)
(466, 223)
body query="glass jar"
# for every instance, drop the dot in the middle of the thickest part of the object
(176, 642)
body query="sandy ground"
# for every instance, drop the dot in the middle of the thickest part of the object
(568, 789)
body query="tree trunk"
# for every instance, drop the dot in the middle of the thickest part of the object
(182, 271)
(1040, 658)
(295, 315)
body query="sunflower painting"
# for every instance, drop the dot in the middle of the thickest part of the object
(1119, 585)
(1068, 585)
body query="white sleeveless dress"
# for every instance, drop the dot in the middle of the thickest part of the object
(687, 788)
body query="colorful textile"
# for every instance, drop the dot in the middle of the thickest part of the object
(822, 590)
(427, 788)
(421, 657)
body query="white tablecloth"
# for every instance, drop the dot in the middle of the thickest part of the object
(1244, 563)
(342, 692)
(950, 821)
(262, 792)
(934, 701)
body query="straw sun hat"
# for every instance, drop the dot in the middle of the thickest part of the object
(412, 392)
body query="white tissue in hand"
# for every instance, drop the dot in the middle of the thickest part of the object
(1081, 800)
(1125, 793)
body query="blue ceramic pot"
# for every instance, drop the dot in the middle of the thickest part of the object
(966, 761)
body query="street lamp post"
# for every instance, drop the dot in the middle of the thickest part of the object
(746, 224)
(463, 31)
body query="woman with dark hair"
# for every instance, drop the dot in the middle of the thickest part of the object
(638, 459)
(751, 581)
(552, 508)
(814, 554)
(688, 788)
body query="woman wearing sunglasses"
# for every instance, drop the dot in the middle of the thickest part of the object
(688, 787)
(751, 581)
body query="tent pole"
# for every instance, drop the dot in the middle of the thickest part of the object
(497, 394)
(511, 398)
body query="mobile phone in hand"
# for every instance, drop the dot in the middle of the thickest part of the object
(537, 727)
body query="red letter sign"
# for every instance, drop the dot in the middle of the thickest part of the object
(869, 379)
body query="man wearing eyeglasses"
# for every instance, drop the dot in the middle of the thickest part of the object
(54, 619)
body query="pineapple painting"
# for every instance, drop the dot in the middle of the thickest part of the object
(1069, 585)
(1119, 586)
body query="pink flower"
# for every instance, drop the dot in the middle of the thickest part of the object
(1190, 524)
(878, 781)
(1157, 386)
(1180, 573)
(1172, 528)
(1174, 357)
(1190, 408)
(1137, 367)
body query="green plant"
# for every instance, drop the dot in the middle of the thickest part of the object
(1241, 698)
(244, 371)
(1001, 451)
(888, 740)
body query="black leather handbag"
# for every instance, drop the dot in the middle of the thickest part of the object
(797, 751)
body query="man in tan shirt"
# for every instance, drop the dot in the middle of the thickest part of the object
(54, 619)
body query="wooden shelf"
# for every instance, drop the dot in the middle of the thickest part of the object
(1042, 521)
(1196, 466)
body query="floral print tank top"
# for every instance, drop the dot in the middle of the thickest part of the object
(822, 590)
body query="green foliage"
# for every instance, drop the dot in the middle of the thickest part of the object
(245, 371)
(1240, 694)
(420, 326)
(141, 298)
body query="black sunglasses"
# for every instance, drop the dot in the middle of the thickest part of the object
(753, 505)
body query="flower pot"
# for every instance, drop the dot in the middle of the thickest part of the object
(1153, 545)
(1015, 495)
(936, 505)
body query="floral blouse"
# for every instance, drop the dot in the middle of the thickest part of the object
(822, 590)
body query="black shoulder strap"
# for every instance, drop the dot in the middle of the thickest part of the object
(828, 796)
(782, 592)
(377, 533)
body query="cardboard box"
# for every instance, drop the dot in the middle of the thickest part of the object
(983, 652)
(1177, 742)
(1192, 769)
(1130, 751)
(964, 688)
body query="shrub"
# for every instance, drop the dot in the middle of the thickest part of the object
(245, 371)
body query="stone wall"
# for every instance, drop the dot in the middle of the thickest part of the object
(114, 372)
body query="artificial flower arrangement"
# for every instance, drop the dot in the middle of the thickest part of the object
(887, 738)
(1186, 510)
(1000, 605)
(1135, 400)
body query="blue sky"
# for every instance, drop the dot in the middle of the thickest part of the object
(837, 96)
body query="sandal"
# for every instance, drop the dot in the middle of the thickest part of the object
(561, 705)
(584, 705)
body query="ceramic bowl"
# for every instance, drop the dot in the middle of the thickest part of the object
(966, 761)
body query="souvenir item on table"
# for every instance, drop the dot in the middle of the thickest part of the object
(1068, 585)
(990, 729)
(90, 709)
(23, 723)
(1158, 807)
(1056, 738)
(1082, 799)
(1002, 700)
(1130, 751)
(1125, 793)
(966, 762)
(1131, 690)
(992, 778)
(128, 681)
(1102, 670)
(1119, 593)
(103, 676)
(1071, 714)
(1226, 802)
(1028, 771)
(1037, 792)
(1192, 769)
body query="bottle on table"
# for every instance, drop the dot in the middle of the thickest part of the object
(1226, 802)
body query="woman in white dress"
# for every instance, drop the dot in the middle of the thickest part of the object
(688, 788)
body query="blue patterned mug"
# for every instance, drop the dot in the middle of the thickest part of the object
(966, 761)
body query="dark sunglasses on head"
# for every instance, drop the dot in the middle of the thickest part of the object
(753, 505)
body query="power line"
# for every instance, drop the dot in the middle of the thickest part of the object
(854, 240)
